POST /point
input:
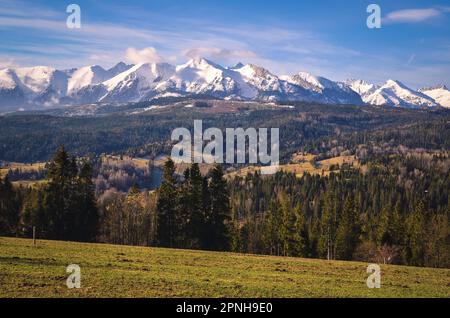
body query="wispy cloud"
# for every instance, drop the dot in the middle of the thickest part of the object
(20, 8)
(102, 41)
(414, 15)
(219, 53)
(34, 34)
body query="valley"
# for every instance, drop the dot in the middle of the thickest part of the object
(138, 134)
(383, 169)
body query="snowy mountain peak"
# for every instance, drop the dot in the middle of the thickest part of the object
(8, 79)
(441, 94)
(327, 91)
(137, 80)
(395, 83)
(318, 81)
(199, 63)
(37, 78)
(395, 93)
(197, 71)
(85, 76)
(252, 70)
(119, 68)
(361, 87)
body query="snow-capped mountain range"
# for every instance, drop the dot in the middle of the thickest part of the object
(42, 87)
(393, 93)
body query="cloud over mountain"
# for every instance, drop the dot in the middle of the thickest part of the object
(145, 55)
(218, 53)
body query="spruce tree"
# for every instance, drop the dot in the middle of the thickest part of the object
(414, 235)
(269, 228)
(326, 241)
(87, 216)
(348, 230)
(196, 215)
(9, 208)
(220, 210)
(166, 207)
(206, 230)
(396, 227)
(69, 203)
(281, 225)
(382, 228)
(183, 212)
(296, 232)
(59, 199)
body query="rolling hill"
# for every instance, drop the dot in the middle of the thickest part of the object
(122, 271)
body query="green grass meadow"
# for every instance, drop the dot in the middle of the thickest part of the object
(123, 271)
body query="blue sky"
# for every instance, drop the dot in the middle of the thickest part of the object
(328, 38)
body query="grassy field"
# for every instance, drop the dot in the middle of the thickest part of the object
(301, 164)
(24, 167)
(122, 271)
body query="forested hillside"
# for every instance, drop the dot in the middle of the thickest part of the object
(308, 127)
(382, 196)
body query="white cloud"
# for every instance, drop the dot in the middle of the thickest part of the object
(218, 53)
(146, 55)
(412, 15)
(279, 47)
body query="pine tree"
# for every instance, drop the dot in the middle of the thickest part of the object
(196, 215)
(348, 230)
(281, 225)
(382, 228)
(207, 229)
(326, 242)
(9, 208)
(69, 210)
(396, 226)
(270, 231)
(436, 235)
(184, 212)
(87, 216)
(59, 198)
(296, 233)
(414, 234)
(166, 207)
(220, 210)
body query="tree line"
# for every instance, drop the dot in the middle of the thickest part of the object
(191, 211)
(63, 209)
(195, 212)
(393, 213)
(393, 210)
